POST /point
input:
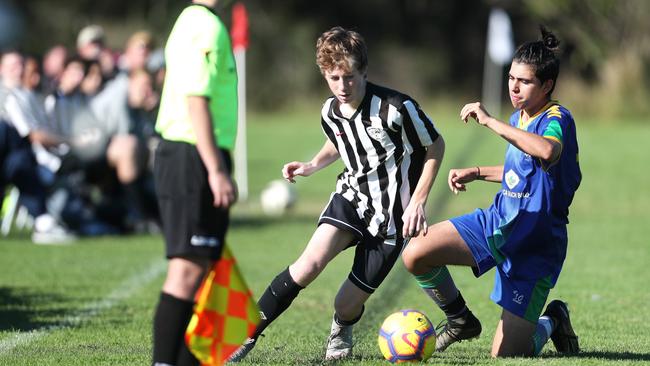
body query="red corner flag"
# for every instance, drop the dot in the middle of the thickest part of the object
(239, 30)
(224, 316)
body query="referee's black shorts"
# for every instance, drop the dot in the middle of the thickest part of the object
(192, 226)
(374, 257)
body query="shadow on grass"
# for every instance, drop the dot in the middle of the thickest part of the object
(613, 356)
(21, 310)
(257, 221)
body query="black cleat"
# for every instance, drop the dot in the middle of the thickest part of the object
(564, 338)
(242, 351)
(456, 330)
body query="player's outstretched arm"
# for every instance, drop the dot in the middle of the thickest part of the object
(530, 143)
(458, 178)
(414, 217)
(326, 156)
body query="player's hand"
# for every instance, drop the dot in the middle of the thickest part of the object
(295, 168)
(223, 189)
(414, 220)
(476, 111)
(459, 177)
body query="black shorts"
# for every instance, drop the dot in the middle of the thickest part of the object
(374, 257)
(192, 226)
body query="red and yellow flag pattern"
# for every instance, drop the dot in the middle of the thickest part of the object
(225, 313)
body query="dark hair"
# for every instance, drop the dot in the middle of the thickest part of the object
(541, 55)
(75, 58)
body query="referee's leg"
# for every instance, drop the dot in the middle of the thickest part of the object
(175, 310)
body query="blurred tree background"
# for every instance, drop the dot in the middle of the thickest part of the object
(431, 49)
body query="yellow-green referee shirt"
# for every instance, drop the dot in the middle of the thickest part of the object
(200, 62)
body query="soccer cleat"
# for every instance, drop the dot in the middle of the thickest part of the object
(242, 351)
(564, 338)
(339, 343)
(456, 330)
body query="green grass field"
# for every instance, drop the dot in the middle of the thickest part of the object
(91, 303)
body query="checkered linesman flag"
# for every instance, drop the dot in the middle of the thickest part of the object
(224, 315)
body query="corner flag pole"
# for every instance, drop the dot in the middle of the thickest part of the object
(498, 52)
(239, 34)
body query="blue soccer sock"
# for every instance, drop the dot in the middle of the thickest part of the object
(542, 334)
(440, 287)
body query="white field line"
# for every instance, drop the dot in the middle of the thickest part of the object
(90, 310)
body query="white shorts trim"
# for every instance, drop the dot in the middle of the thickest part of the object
(342, 222)
(365, 284)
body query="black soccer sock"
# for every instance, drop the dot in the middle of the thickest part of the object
(276, 299)
(456, 309)
(347, 323)
(186, 358)
(169, 324)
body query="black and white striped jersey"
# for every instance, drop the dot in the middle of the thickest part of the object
(383, 147)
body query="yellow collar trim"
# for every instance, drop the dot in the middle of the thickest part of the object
(524, 125)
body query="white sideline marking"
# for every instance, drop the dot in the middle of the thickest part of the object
(90, 310)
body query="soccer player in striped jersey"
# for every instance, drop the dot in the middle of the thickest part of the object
(391, 152)
(523, 233)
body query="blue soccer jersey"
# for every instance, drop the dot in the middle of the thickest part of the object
(523, 232)
(533, 204)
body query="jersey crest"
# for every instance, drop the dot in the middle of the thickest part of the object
(376, 133)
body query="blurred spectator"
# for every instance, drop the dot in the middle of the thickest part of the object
(136, 51)
(53, 65)
(90, 42)
(156, 66)
(91, 46)
(31, 74)
(101, 145)
(85, 169)
(112, 102)
(18, 166)
(24, 111)
(142, 107)
(93, 80)
(124, 106)
(66, 101)
(22, 121)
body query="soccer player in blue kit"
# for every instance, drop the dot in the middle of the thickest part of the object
(523, 233)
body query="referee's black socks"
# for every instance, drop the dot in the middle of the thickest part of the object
(276, 299)
(169, 325)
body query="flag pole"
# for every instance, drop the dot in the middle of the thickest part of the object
(239, 33)
(498, 52)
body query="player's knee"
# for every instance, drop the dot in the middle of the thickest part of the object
(305, 271)
(183, 279)
(413, 261)
(512, 348)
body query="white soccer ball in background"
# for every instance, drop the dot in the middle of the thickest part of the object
(277, 197)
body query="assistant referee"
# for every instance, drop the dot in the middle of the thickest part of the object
(198, 123)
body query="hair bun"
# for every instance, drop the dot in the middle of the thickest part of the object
(549, 39)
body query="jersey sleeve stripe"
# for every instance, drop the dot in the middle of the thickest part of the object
(424, 128)
(553, 129)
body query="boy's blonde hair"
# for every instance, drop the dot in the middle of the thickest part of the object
(341, 48)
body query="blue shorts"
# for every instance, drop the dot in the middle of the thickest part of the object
(523, 278)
